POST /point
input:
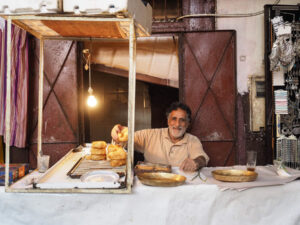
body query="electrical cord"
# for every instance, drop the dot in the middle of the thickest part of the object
(225, 15)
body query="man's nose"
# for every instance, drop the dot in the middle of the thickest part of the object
(177, 123)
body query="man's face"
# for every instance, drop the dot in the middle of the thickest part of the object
(178, 123)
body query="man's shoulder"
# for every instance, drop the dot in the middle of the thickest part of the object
(192, 137)
(153, 131)
(158, 131)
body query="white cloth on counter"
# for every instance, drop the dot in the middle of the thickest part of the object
(267, 176)
(146, 205)
(191, 204)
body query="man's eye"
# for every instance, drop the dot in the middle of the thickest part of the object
(182, 120)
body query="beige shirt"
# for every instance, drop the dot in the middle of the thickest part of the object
(158, 147)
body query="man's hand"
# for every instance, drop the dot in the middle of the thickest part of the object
(189, 165)
(115, 131)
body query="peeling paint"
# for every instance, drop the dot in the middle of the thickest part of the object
(52, 138)
(214, 136)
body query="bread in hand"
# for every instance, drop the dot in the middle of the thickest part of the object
(123, 135)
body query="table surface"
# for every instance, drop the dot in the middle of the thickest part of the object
(186, 204)
(195, 202)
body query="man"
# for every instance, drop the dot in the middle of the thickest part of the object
(170, 145)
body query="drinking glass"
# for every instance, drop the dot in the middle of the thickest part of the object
(251, 160)
(43, 163)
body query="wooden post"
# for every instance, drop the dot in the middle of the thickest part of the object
(8, 102)
(131, 102)
(40, 103)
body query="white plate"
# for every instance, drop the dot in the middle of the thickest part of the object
(100, 176)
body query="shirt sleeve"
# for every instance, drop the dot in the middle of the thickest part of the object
(140, 140)
(196, 149)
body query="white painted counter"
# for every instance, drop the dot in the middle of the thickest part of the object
(187, 204)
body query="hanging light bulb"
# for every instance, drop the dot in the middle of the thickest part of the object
(91, 100)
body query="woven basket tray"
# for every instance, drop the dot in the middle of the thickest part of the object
(234, 175)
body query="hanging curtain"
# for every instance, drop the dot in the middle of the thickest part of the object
(1, 145)
(19, 85)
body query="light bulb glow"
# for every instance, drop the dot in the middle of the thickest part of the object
(91, 101)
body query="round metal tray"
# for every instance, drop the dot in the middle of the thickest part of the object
(100, 176)
(234, 175)
(161, 179)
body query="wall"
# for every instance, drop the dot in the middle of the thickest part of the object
(250, 61)
(250, 35)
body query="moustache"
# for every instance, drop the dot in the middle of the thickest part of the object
(177, 128)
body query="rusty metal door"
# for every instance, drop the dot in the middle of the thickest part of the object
(208, 86)
(60, 108)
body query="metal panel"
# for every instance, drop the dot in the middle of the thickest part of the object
(208, 86)
(60, 101)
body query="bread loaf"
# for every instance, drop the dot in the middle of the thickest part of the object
(116, 152)
(117, 162)
(98, 157)
(98, 151)
(88, 157)
(99, 144)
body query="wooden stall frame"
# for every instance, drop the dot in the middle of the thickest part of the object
(131, 97)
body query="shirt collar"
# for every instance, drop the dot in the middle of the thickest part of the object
(166, 135)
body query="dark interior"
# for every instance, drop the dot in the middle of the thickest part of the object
(112, 94)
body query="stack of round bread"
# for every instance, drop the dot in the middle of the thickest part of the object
(117, 155)
(98, 150)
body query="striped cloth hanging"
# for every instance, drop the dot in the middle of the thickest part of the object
(19, 86)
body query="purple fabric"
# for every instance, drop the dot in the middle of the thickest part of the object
(19, 87)
(2, 124)
(16, 88)
(0, 43)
